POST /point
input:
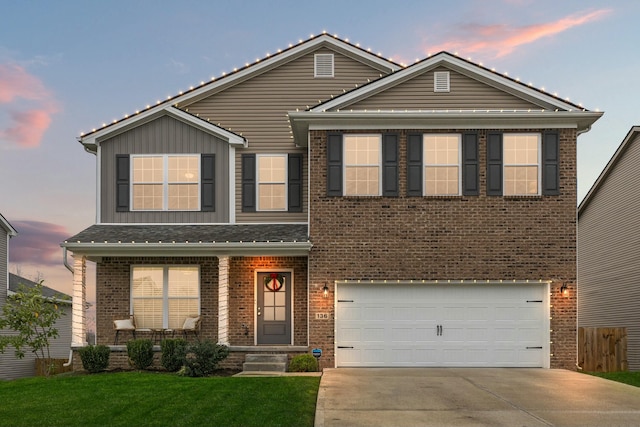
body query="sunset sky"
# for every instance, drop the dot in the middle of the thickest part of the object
(67, 67)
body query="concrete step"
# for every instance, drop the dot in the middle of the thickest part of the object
(265, 363)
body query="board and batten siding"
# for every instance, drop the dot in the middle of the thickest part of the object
(257, 109)
(609, 253)
(164, 135)
(465, 93)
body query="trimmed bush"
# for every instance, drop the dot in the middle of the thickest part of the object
(174, 351)
(203, 358)
(140, 353)
(95, 358)
(303, 363)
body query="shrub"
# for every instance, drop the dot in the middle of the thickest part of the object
(95, 358)
(140, 353)
(203, 358)
(174, 352)
(303, 363)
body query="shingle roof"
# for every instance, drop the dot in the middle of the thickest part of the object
(152, 233)
(15, 281)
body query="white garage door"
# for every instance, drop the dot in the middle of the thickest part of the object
(469, 325)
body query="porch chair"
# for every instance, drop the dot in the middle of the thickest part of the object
(124, 325)
(191, 325)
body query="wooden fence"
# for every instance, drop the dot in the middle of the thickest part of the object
(602, 349)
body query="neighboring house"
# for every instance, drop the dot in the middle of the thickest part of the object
(326, 198)
(609, 247)
(10, 366)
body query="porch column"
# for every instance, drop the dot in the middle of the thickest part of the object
(223, 300)
(79, 301)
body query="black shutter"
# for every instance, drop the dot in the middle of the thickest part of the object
(295, 183)
(248, 183)
(207, 182)
(122, 182)
(494, 164)
(414, 164)
(550, 164)
(334, 164)
(470, 164)
(390, 165)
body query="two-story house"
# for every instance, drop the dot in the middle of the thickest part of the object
(327, 198)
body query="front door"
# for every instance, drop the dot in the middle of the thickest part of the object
(274, 289)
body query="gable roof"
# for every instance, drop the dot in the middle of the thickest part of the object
(183, 99)
(552, 112)
(15, 281)
(631, 136)
(7, 227)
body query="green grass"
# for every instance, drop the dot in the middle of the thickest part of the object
(631, 378)
(158, 399)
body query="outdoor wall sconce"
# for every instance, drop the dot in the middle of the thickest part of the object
(325, 291)
(564, 291)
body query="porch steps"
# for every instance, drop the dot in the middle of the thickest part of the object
(265, 363)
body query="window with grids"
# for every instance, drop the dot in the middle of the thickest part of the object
(362, 154)
(164, 296)
(272, 182)
(165, 182)
(442, 164)
(521, 164)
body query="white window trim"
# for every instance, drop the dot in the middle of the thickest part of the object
(165, 288)
(538, 165)
(425, 165)
(345, 165)
(286, 180)
(165, 182)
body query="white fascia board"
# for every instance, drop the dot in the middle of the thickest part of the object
(93, 250)
(457, 64)
(631, 136)
(7, 227)
(302, 122)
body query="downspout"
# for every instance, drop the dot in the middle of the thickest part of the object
(66, 264)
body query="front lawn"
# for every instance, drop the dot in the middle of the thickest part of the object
(158, 399)
(632, 378)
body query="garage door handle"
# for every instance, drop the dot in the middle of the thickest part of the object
(345, 300)
(439, 330)
(530, 348)
(534, 300)
(345, 346)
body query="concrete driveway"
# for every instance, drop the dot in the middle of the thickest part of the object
(473, 397)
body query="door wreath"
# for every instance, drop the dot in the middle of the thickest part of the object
(274, 282)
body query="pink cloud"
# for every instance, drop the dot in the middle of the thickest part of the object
(27, 125)
(501, 40)
(37, 242)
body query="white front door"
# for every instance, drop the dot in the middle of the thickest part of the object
(467, 325)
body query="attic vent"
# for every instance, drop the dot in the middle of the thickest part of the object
(441, 81)
(324, 65)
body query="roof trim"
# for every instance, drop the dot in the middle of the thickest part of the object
(243, 73)
(7, 227)
(303, 121)
(92, 141)
(471, 69)
(626, 142)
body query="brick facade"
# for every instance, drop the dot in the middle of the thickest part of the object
(434, 238)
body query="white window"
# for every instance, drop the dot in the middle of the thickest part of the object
(521, 164)
(362, 154)
(165, 182)
(272, 182)
(164, 296)
(442, 170)
(323, 65)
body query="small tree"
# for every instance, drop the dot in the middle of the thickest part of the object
(32, 316)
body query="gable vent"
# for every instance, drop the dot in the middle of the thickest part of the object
(441, 81)
(324, 65)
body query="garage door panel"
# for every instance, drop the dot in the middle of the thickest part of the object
(466, 325)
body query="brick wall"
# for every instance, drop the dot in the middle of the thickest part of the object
(465, 237)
